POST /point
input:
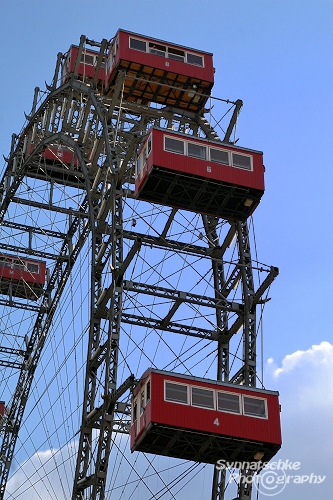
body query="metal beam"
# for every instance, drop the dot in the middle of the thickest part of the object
(238, 107)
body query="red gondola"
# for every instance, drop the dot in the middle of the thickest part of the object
(195, 174)
(59, 163)
(2, 408)
(86, 68)
(160, 72)
(21, 277)
(203, 420)
(59, 154)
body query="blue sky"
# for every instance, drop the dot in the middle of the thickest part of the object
(277, 56)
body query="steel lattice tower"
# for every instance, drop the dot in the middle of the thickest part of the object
(158, 279)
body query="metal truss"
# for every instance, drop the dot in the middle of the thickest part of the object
(104, 134)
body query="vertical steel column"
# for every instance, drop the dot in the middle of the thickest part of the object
(249, 326)
(85, 442)
(210, 224)
(111, 359)
(247, 373)
(249, 336)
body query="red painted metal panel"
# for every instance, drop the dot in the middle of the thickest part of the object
(191, 417)
(2, 408)
(157, 78)
(59, 153)
(165, 413)
(62, 154)
(12, 273)
(125, 53)
(203, 168)
(183, 181)
(85, 69)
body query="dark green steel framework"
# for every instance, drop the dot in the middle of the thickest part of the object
(104, 134)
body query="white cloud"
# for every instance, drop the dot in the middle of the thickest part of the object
(306, 376)
(46, 475)
(317, 355)
(305, 383)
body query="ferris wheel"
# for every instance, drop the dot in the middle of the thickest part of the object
(126, 246)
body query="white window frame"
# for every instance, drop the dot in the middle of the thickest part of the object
(240, 407)
(135, 402)
(186, 52)
(142, 157)
(34, 264)
(112, 55)
(146, 384)
(194, 54)
(208, 153)
(85, 53)
(197, 144)
(177, 55)
(177, 402)
(175, 139)
(224, 151)
(160, 53)
(149, 139)
(204, 389)
(140, 40)
(137, 169)
(142, 399)
(144, 391)
(6, 262)
(255, 397)
(189, 388)
(241, 154)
